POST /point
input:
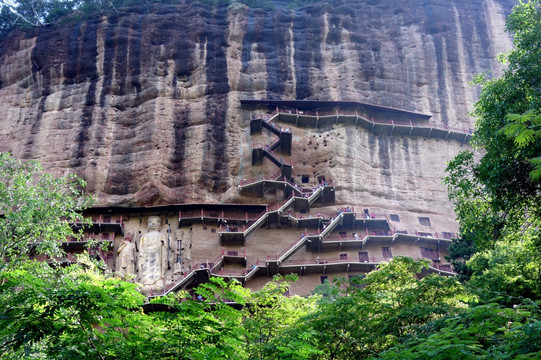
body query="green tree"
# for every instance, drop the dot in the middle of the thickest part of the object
(524, 123)
(486, 331)
(460, 251)
(271, 322)
(79, 312)
(67, 313)
(511, 269)
(374, 312)
(37, 210)
(202, 328)
(496, 189)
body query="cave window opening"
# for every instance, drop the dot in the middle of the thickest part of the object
(431, 254)
(395, 218)
(386, 252)
(447, 235)
(363, 256)
(425, 221)
(305, 179)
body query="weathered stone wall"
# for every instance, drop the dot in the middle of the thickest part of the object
(145, 104)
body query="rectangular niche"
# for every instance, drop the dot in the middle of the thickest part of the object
(386, 252)
(431, 254)
(447, 235)
(425, 221)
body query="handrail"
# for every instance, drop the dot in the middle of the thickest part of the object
(179, 282)
(272, 156)
(246, 273)
(221, 216)
(281, 180)
(322, 261)
(287, 203)
(258, 216)
(253, 225)
(280, 256)
(373, 261)
(333, 239)
(332, 225)
(338, 113)
(240, 254)
(256, 224)
(273, 128)
(315, 195)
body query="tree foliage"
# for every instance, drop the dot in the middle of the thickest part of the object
(80, 312)
(65, 313)
(373, 312)
(486, 331)
(36, 209)
(270, 323)
(202, 328)
(496, 191)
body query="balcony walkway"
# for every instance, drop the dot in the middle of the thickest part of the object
(377, 229)
(414, 127)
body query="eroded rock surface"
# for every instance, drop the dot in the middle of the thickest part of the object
(144, 105)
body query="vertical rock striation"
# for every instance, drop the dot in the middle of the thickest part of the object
(145, 106)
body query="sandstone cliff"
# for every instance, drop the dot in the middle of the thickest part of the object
(145, 104)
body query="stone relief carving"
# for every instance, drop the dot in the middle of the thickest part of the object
(177, 267)
(152, 254)
(125, 261)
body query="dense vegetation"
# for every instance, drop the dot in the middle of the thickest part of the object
(493, 312)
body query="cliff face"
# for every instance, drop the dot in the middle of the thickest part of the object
(145, 104)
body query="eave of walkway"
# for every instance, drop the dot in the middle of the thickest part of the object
(171, 207)
(313, 105)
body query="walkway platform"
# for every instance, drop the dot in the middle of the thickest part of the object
(100, 224)
(380, 128)
(343, 266)
(260, 187)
